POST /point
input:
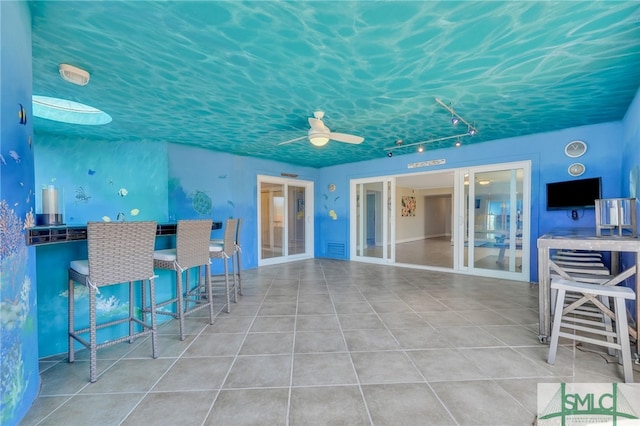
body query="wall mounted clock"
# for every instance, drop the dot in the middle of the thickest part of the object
(575, 149)
(576, 169)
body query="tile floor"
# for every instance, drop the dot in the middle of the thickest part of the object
(325, 342)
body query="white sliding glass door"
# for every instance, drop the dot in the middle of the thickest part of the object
(494, 226)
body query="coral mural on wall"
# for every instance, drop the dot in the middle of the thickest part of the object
(15, 287)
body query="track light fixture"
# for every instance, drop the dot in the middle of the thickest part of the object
(425, 142)
(455, 119)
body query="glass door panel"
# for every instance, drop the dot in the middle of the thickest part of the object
(497, 212)
(372, 232)
(272, 220)
(296, 223)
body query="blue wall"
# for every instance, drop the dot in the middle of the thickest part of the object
(231, 182)
(100, 181)
(19, 375)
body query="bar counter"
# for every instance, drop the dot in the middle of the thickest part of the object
(39, 235)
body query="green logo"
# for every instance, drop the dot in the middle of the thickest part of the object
(585, 403)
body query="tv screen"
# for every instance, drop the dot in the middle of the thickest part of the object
(573, 194)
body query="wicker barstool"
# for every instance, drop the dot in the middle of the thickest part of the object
(118, 253)
(192, 250)
(237, 251)
(225, 250)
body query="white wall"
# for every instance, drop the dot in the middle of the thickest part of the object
(433, 214)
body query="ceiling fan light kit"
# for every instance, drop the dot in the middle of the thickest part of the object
(319, 134)
(318, 139)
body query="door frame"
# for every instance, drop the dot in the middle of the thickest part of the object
(308, 219)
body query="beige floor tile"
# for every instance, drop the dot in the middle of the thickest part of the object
(330, 342)
(329, 405)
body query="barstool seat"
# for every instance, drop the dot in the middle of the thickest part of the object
(119, 252)
(191, 251)
(618, 340)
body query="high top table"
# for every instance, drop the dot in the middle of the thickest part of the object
(583, 239)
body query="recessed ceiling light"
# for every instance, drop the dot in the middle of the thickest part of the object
(66, 111)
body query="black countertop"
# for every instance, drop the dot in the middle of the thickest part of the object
(61, 234)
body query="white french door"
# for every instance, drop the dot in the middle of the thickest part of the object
(285, 220)
(372, 221)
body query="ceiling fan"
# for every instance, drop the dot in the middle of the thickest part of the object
(319, 134)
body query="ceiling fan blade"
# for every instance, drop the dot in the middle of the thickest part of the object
(343, 137)
(293, 140)
(317, 125)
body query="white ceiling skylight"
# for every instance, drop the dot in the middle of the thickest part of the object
(66, 111)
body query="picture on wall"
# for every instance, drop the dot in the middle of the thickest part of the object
(408, 206)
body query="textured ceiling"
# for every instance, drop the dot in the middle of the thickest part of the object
(240, 77)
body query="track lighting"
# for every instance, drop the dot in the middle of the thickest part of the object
(455, 119)
(425, 142)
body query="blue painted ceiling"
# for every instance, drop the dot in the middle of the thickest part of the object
(240, 77)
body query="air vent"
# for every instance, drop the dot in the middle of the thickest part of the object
(336, 250)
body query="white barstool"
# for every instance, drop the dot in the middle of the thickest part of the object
(119, 252)
(590, 293)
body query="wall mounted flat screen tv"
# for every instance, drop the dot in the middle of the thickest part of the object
(573, 194)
